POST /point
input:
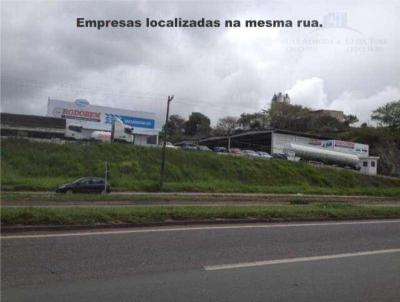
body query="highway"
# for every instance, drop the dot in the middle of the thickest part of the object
(326, 261)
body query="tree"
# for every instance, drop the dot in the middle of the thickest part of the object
(298, 118)
(327, 124)
(197, 125)
(257, 120)
(388, 114)
(175, 127)
(350, 119)
(286, 116)
(226, 125)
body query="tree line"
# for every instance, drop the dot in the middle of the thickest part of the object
(280, 115)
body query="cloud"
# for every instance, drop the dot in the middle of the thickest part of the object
(309, 93)
(363, 105)
(216, 71)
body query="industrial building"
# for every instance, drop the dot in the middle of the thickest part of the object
(272, 141)
(300, 145)
(65, 117)
(99, 118)
(32, 126)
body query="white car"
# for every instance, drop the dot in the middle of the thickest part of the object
(170, 145)
(203, 148)
(264, 155)
(250, 153)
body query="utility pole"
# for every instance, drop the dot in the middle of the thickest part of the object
(170, 98)
(229, 139)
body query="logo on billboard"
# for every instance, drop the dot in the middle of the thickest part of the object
(130, 120)
(81, 102)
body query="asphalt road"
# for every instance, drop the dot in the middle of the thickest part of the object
(358, 261)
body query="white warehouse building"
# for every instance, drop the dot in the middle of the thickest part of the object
(99, 118)
(301, 145)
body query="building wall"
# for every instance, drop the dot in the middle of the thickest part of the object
(21, 125)
(369, 165)
(27, 126)
(339, 115)
(100, 117)
(140, 139)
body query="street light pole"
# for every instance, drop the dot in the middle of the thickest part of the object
(170, 98)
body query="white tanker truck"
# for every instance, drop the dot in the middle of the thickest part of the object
(313, 153)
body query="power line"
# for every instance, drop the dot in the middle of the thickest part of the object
(207, 107)
(145, 95)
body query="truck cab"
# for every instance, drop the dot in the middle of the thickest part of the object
(121, 132)
(74, 131)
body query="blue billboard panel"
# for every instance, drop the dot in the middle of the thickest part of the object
(131, 120)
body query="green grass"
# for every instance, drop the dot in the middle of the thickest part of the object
(42, 166)
(142, 215)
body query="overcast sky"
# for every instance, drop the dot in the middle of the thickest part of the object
(350, 64)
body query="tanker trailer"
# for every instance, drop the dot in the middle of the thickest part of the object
(102, 136)
(306, 152)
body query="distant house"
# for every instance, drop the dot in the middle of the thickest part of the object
(281, 98)
(339, 115)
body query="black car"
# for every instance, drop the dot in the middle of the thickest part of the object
(220, 149)
(279, 156)
(85, 185)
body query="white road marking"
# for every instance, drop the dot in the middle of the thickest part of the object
(300, 259)
(198, 228)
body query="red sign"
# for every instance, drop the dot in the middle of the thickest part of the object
(81, 115)
(343, 144)
(315, 142)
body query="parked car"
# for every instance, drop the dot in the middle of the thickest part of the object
(250, 153)
(203, 148)
(189, 147)
(279, 156)
(170, 145)
(236, 151)
(318, 163)
(264, 155)
(219, 149)
(84, 185)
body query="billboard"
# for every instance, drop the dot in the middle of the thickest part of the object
(348, 147)
(95, 117)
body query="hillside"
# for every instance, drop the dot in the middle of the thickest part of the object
(42, 166)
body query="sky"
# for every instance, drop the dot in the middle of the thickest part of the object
(350, 64)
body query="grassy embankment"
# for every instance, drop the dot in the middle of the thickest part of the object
(143, 215)
(42, 166)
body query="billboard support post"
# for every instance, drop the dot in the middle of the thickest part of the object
(170, 98)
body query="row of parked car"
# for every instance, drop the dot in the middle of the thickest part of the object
(224, 151)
